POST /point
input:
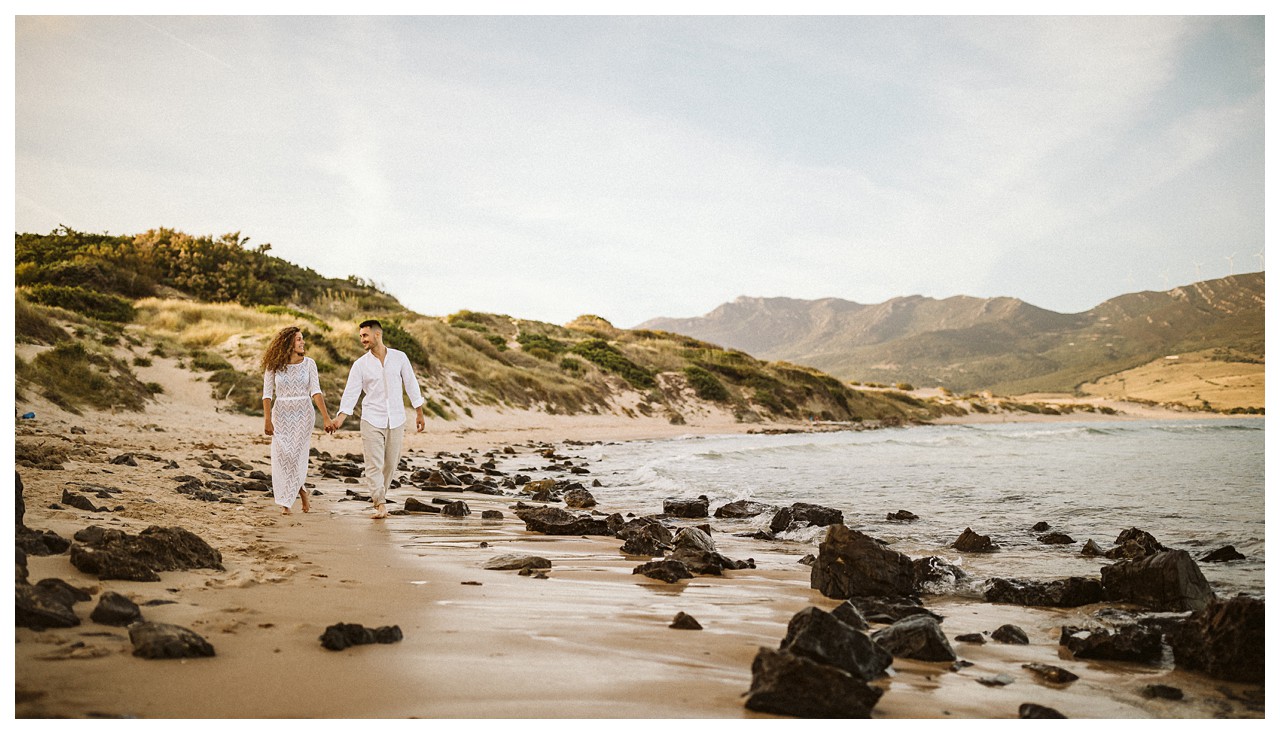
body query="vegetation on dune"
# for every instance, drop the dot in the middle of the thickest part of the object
(211, 303)
(74, 376)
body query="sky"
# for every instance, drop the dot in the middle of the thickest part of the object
(642, 166)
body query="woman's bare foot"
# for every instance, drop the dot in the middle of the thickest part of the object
(286, 511)
(306, 503)
(379, 512)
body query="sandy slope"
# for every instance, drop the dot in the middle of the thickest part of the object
(591, 641)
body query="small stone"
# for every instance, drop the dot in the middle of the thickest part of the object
(974, 638)
(684, 622)
(1036, 711)
(1040, 527)
(116, 610)
(1225, 553)
(1159, 690)
(1051, 673)
(1010, 635)
(1002, 679)
(158, 641)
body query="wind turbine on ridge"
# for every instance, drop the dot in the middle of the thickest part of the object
(1198, 266)
(1231, 263)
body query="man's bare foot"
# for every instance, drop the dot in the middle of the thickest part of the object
(379, 512)
(306, 503)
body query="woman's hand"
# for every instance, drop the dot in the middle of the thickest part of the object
(269, 429)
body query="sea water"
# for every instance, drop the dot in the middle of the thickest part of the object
(1195, 485)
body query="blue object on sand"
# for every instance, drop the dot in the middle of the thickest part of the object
(28, 416)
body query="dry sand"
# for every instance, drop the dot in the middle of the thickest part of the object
(591, 641)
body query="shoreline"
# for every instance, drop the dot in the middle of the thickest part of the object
(591, 641)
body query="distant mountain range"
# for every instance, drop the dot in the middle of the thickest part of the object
(999, 344)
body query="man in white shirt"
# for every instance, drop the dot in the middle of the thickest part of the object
(383, 375)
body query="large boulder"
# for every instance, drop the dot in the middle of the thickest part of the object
(1223, 554)
(971, 542)
(579, 499)
(889, 609)
(1074, 591)
(695, 549)
(934, 574)
(823, 638)
(113, 554)
(665, 570)
(687, 508)
(157, 641)
(918, 637)
(39, 542)
(1168, 581)
(645, 536)
(741, 509)
(1226, 640)
(115, 609)
(1134, 543)
(851, 563)
(555, 521)
(793, 685)
(1132, 642)
(804, 514)
(40, 608)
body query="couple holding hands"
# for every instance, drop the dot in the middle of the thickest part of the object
(291, 383)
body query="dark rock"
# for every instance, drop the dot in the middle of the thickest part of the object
(1091, 549)
(1051, 673)
(686, 508)
(1159, 690)
(960, 665)
(931, 572)
(340, 636)
(644, 543)
(80, 502)
(125, 460)
(1134, 543)
(902, 516)
(1167, 581)
(456, 509)
(918, 637)
(118, 555)
(971, 542)
(1040, 527)
(1132, 642)
(665, 570)
(803, 514)
(413, 504)
(1036, 711)
(1225, 640)
(1225, 553)
(851, 616)
(1010, 635)
(973, 638)
(39, 542)
(823, 638)
(1056, 539)
(40, 608)
(890, 609)
(792, 685)
(77, 430)
(808, 559)
(63, 591)
(515, 562)
(694, 548)
(684, 622)
(490, 515)
(853, 564)
(534, 573)
(579, 499)
(741, 509)
(1074, 591)
(555, 521)
(116, 610)
(20, 571)
(159, 641)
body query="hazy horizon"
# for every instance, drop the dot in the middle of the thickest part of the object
(651, 166)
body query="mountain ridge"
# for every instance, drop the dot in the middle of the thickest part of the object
(1001, 344)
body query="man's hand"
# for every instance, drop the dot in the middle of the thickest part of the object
(422, 422)
(336, 423)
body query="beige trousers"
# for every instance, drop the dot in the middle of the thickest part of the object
(381, 457)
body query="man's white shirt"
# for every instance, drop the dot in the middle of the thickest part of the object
(384, 384)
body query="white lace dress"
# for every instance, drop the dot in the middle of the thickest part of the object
(294, 418)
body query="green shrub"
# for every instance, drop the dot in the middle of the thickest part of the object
(153, 388)
(395, 336)
(497, 341)
(569, 364)
(101, 306)
(243, 391)
(208, 362)
(297, 314)
(545, 344)
(32, 325)
(141, 362)
(705, 384)
(609, 358)
(71, 376)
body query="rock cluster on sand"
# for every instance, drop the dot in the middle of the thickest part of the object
(115, 554)
(820, 670)
(1226, 640)
(159, 641)
(851, 563)
(340, 636)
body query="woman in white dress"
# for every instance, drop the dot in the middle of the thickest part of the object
(290, 383)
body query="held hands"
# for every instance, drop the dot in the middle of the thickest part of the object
(332, 426)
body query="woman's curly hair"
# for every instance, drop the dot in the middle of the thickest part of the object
(279, 350)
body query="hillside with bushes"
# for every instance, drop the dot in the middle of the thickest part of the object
(92, 310)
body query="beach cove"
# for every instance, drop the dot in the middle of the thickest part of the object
(592, 640)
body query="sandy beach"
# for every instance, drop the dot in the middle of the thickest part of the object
(590, 641)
